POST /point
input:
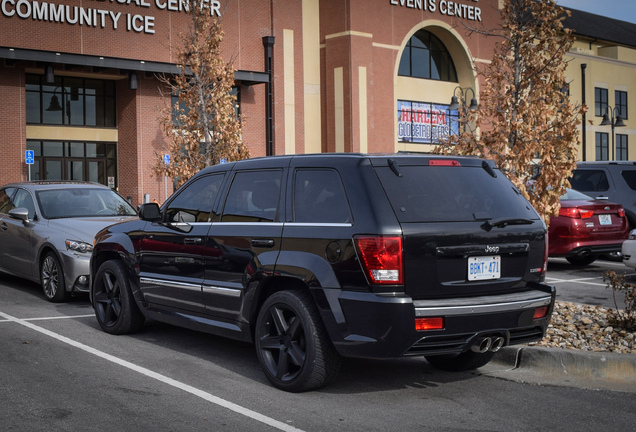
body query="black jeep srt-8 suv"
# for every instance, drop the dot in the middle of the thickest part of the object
(315, 257)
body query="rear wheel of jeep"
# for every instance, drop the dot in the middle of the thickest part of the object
(292, 344)
(460, 362)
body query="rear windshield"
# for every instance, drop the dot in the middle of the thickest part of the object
(442, 193)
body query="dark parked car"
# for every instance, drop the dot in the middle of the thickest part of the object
(586, 228)
(315, 257)
(47, 230)
(611, 181)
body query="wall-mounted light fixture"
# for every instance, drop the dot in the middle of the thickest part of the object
(132, 80)
(49, 74)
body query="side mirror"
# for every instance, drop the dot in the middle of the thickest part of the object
(19, 213)
(150, 212)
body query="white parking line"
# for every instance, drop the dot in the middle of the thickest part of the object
(582, 281)
(54, 318)
(162, 378)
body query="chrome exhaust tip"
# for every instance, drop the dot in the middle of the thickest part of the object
(497, 344)
(482, 345)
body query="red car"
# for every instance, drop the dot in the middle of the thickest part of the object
(586, 228)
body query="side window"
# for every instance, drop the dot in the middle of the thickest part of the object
(319, 197)
(589, 180)
(24, 199)
(630, 178)
(5, 200)
(253, 197)
(195, 202)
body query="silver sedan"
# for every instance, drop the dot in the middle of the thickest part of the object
(47, 231)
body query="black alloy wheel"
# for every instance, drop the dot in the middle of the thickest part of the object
(115, 307)
(292, 344)
(52, 279)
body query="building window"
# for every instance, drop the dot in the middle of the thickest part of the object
(425, 122)
(70, 101)
(621, 147)
(620, 100)
(602, 146)
(600, 101)
(84, 161)
(425, 56)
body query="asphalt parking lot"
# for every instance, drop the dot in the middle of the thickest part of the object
(585, 284)
(61, 372)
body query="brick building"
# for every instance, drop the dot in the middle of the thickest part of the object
(79, 87)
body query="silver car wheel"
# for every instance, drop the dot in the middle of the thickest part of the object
(52, 279)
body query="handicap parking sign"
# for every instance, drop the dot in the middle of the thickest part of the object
(29, 157)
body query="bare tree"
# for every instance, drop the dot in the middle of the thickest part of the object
(203, 126)
(526, 122)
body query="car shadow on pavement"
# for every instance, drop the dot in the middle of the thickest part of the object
(204, 354)
(34, 289)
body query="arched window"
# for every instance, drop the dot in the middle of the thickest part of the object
(425, 56)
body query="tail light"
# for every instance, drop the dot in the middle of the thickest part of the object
(429, 323)
(381, 259)
(573, 212)
(541, 312)
(621, 212)
(443, 162)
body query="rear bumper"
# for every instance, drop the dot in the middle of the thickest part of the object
(598, 247)
(373, 326)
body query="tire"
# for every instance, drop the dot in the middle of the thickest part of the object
(52, 279)
(292, 344)
(115, 307)
(468, 360)
(581, 260)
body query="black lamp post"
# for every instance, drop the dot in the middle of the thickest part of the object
(55, 105)
(454, 105)
(613, 119)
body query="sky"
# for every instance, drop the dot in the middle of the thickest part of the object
(624, 10)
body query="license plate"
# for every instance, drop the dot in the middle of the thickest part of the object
(484, 267)
(605, 219)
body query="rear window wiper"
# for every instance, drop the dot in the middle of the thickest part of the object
(503, 222)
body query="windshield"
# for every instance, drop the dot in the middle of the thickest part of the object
(82, 202)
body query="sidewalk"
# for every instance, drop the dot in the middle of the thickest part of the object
(565, 367)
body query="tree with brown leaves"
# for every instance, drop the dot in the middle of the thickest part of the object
(526, 122)
(203, 126)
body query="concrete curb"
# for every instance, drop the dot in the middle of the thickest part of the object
(584, 369)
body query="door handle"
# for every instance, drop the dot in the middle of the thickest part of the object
(268, 243)
(192, 240)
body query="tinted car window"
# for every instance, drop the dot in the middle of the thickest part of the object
(630, 178)
(429, 193)
(5, 200)
(319, 197)
(24, 199)
(253, 197)
(589, 180)
(195, 202)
